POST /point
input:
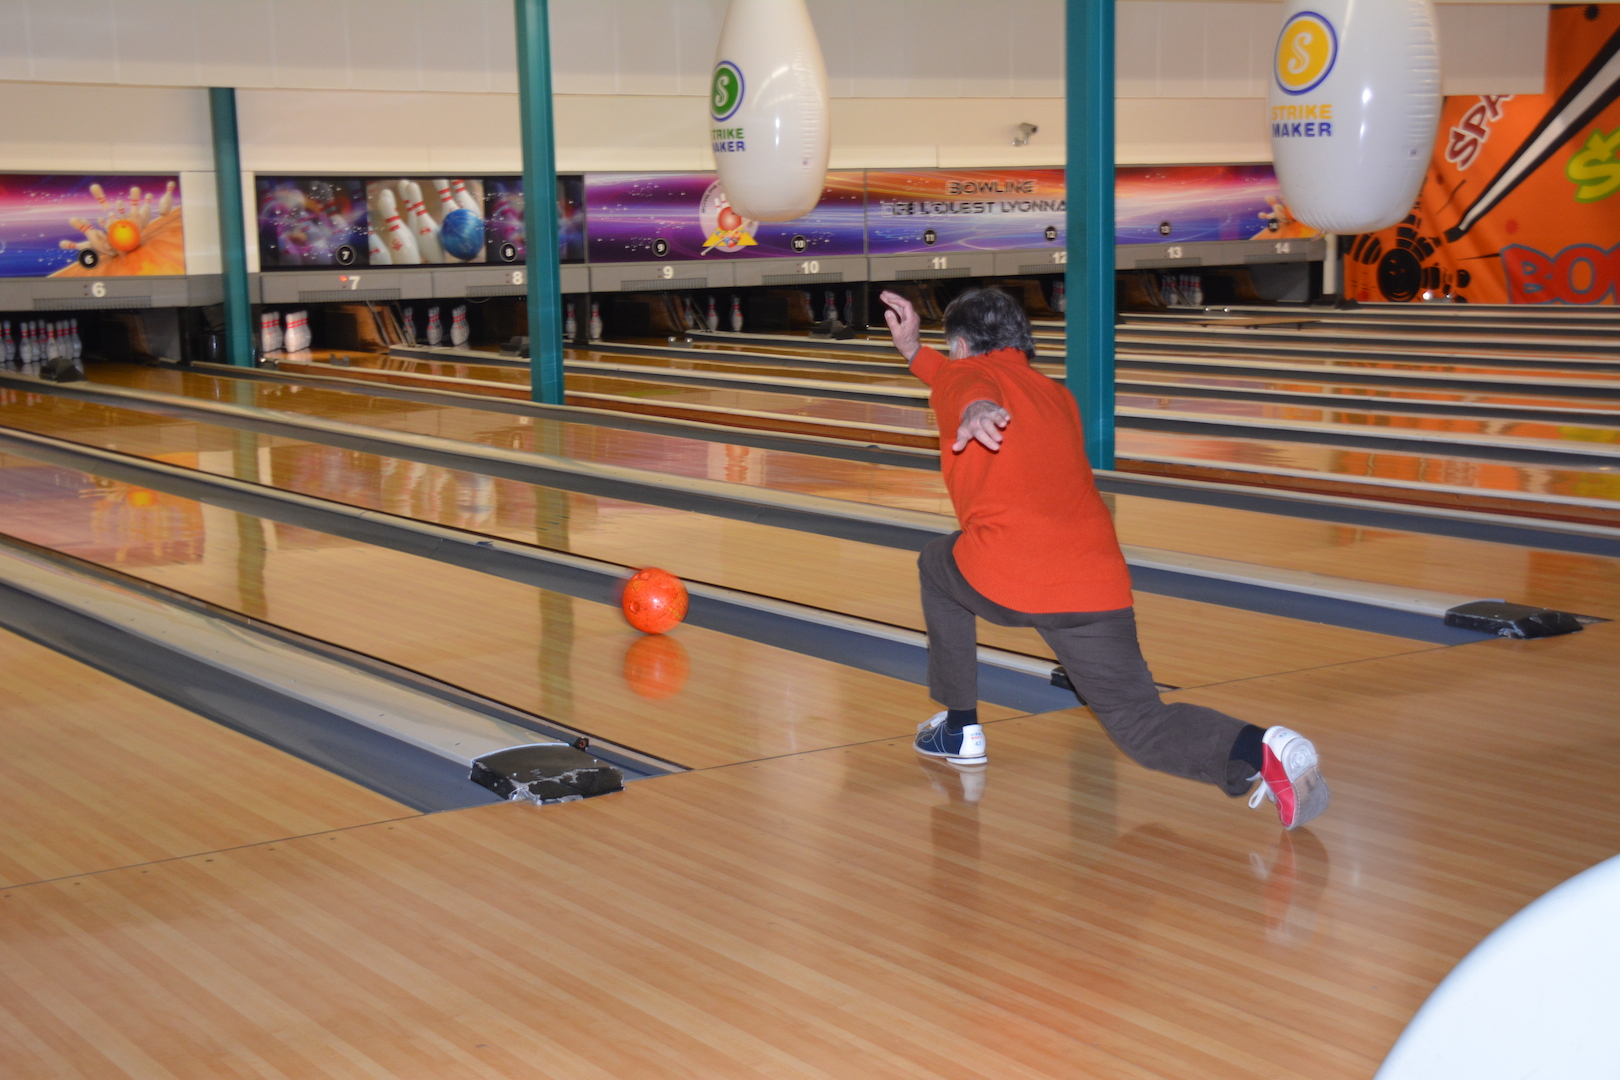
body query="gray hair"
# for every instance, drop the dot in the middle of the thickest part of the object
(986, 319)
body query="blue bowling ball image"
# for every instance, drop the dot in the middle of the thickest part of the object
(462, 234)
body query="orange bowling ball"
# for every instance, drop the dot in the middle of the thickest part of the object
(656, 667)
(124, 236)
(654, 601)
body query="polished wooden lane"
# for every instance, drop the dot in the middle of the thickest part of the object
(1355, 413)
(1443, 563)
(96, 774)
(850, 913)
(763, 406)
(1426, 476)
(1191, 643)
(696, 697)
(915, 489)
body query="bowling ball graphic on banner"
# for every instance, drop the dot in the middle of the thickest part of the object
(462, 234)
(73, 226)
(723, 228)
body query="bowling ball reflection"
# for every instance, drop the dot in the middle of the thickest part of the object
(656, 667)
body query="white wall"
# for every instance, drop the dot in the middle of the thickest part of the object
(419, 85)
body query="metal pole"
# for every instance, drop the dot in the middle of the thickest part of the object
(232, 236)
(540, 202)
(1330, 266)
(1089, 281)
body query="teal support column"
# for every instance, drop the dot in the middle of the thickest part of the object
(232, 238)
(1089, 281)
(540, 202)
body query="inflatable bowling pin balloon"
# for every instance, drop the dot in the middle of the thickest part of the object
(1353, 104)
(768, 110)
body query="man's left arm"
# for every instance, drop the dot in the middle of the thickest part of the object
(972, 399)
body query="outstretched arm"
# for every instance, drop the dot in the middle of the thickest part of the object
(982, 420)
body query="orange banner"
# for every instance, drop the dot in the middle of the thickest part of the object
(1521, 204)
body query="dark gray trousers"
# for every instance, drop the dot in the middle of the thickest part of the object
(1099, 651)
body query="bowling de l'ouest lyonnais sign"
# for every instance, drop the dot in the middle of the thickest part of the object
(1521, 202)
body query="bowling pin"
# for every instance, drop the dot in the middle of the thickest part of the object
(849, 307)
(5, 342)
(141, 214)
(768, 112)
(101, 201)
(435, 332)
(50, 341)
(829, 307)
(297, 337)
(427, 230)
(447, 197)
(464, 198)
(1060, 302)
(76, 346)
(458, 326)
(400, 240)
(570, 324)
(1353, 103)
(408, 324)
(376, 250)
(166, 203)
(595, 327)
(713, 318)
(270, 334)
(736, 315)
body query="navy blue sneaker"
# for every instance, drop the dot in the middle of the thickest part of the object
(966, 747)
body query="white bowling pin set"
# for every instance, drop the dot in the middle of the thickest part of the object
(1353, 104)
(30, 344)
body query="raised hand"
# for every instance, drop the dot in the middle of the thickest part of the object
(982, 421)
(905, 325)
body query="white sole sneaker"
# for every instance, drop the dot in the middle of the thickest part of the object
(966, 747)
(1291, 777)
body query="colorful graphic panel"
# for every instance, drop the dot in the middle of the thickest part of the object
(503, 200)
(90, 226)
(307, 222)
(642, 217)
(964, 210)
(1173, 203)
(1521, 204)
(425, 222)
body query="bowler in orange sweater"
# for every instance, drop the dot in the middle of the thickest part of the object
(1037, 548)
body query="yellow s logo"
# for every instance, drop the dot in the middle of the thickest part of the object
(1306, 49)
(1594, 168)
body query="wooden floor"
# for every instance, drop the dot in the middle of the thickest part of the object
(95, 774)
(812, 900)
(849, 913)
